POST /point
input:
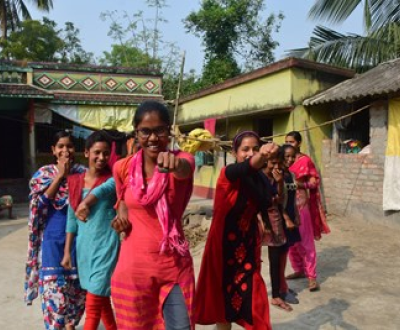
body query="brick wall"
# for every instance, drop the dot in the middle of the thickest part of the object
(353, 183)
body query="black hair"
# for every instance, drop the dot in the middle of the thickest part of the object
(237, 140)
(151, 106)
(296, 135)
(62, 134)
(98, 136)
(280, 155)
(287, 146)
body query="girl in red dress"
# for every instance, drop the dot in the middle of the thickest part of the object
(153, 283)
(230, 287)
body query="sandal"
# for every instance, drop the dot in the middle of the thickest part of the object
(279, 303)
(313, 285)
(295, 276)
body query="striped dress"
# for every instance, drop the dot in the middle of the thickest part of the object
(143, 277)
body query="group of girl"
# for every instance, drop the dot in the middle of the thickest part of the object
(76, 259)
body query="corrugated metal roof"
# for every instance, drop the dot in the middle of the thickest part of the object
(383, 79)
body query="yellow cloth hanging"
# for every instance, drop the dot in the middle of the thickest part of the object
(193, 146)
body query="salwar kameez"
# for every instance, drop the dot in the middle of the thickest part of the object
(230, 287)
(313, 223)
(63, 299)
(144, 277)
(302, 254)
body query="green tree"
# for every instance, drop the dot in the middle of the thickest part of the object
(34, 41)
(42, 41)
(73, 52)
(233, 31)
(139, 43)
(12, 10)
(380, 42)
(128, 56)
(190, 84)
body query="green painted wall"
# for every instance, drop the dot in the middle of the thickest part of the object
(287, 88)
(267, 93)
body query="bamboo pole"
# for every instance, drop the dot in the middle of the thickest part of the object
(178, 90)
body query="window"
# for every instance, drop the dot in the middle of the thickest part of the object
(352, 133)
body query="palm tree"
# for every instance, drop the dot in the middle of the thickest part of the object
(380, 43)
(11, 10)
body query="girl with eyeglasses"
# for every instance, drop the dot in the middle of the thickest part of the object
(153, 284)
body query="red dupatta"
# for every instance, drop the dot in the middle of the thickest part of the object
(304, 169)
(76, 183)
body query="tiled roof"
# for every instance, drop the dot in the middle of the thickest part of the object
(106, 99)
(381, 80)
(23, 91)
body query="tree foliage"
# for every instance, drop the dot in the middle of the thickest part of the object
(128, 56)
(233, 32)
(11, 12)
(380, 43)
(42, 41)
(139, 43)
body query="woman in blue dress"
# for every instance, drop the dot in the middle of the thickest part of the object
(63, 300)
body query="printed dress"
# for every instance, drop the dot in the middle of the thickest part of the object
(63, 299)
(230, 287)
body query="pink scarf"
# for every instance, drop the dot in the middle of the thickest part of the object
(155, 194)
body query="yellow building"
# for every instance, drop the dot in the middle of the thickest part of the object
(269, 101)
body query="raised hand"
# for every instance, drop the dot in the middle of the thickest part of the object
(277, 174)
(64, 164)
(167, 162)
(269, 150)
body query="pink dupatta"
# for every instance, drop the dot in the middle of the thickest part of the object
(154, 193)
(304, 169)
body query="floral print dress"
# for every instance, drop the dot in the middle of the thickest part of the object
(63, 300)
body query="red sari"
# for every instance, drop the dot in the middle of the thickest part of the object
(230, 287)
(304, 169)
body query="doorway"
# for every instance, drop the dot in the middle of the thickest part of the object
(11, 147)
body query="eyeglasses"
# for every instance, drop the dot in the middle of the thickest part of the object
(161, 131)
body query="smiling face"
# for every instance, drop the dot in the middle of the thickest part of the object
(272, 164)
(98, 156)
(293, 142)
(64, 148)
(247, 148)
(152, 134)
(290, 157)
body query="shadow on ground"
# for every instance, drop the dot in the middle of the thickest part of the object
(328, 316)
(331, 261)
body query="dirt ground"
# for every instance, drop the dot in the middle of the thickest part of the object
(358, 265)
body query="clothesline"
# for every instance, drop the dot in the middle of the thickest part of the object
(217, 142)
